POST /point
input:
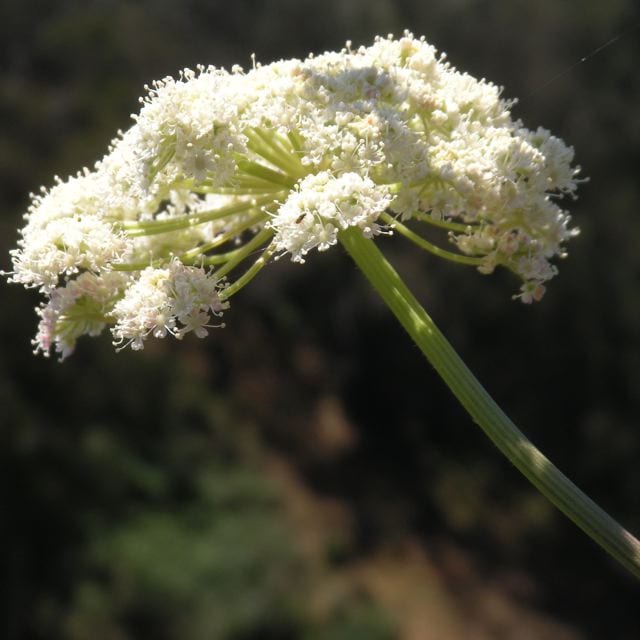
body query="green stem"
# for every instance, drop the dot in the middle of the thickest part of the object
(296, 142)
(223, 238)
(425, 244)
(168, 225)
(239, 189)
(243, 252)
(247, 276)
(272, 149)
(442, 224)
(547, 478)
(257, 170)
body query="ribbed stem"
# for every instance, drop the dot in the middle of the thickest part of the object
(547, 478)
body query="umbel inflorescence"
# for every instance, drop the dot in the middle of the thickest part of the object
(220, 167)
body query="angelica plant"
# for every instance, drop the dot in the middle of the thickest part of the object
(223, 172)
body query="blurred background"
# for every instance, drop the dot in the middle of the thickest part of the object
(303, 474)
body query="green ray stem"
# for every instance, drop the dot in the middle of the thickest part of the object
(423, 243)
(532, 463)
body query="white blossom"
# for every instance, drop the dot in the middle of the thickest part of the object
(322, 205)
(285, 156)
(175, 300)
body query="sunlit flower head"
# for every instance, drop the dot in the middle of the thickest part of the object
(220, 166)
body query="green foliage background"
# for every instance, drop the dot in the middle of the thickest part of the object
(303, 474)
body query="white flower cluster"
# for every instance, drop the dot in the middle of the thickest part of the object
(323, 204)
(81, 307)
(288, 155)
(159, 299)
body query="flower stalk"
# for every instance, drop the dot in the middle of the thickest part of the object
(429, 246)
(529, 460)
